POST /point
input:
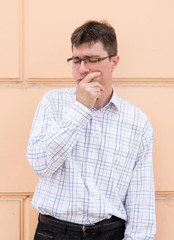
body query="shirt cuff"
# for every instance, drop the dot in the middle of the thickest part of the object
(79, 114)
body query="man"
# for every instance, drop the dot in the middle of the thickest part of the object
(92, 151)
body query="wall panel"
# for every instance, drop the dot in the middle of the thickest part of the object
(9, 39)
(165, 216)
(144, 36)
(31, 219)
(10, 221)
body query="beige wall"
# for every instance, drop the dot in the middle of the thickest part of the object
(34, 45)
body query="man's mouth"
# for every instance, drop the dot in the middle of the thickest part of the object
(79, 80)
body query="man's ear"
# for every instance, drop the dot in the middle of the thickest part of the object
(115, 61)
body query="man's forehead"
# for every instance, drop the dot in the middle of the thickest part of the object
(95, 48)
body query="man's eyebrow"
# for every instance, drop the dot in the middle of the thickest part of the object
(88, 56)
(97, 56)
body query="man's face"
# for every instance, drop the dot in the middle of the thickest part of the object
(106, 66)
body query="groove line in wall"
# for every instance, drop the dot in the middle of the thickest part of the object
(25, 195)
(71, 80)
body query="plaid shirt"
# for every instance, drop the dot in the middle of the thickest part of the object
(93, 163)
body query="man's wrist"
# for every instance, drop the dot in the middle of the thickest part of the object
(79, 113)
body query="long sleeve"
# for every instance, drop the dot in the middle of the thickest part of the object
(140, 199)
(51, 140)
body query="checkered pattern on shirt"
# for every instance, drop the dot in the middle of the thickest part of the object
(93, 163)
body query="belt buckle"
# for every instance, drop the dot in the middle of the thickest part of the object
(83, 230)
(86, 229)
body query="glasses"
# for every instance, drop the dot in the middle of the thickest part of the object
(90, 61)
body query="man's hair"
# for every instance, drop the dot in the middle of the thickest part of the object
(93, 31)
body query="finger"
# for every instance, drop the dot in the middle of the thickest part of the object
(96, 85)
(88, 78)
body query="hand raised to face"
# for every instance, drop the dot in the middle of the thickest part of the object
(88, 90)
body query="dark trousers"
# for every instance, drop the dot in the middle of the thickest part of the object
(47, 232)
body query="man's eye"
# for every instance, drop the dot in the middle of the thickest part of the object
(92, 60)
(76, 61)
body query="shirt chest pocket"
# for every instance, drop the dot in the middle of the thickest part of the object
(124, 159)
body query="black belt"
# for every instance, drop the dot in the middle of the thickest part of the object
(90, 229)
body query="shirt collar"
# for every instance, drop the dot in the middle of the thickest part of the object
(114, 99)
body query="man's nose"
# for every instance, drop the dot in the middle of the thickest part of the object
(83, 68)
